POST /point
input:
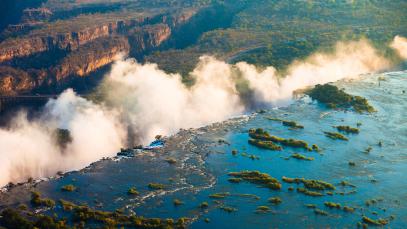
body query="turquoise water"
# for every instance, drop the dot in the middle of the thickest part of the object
(203, 164)
(379, 174)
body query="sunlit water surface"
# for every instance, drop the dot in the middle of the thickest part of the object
(199, 172)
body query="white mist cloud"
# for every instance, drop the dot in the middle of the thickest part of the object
(28, 148)
(400, 45)
(159, 103)
(142, 101)
(349, 60)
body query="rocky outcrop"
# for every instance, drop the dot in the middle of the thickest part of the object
(79, 63)
(73, 49)
(14, 81)
(69, 41)
(35, 15)
(90, 57)
(148, 37)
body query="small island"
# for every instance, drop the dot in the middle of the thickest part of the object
(333, 97)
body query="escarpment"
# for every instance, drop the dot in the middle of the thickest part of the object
(46, 53)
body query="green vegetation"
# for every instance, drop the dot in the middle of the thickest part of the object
(368, 149)
(320, 212)
(346, 183)
(348, 209)
(88, 216)
(234, 180)
(263, 139)
(37, 201)
(311, 184)
(292, 124)
(156, 186)
(228, 209)
(263, 209)
(309, 192)
(347, 129)
(177, 202)
(332, 205)
(220, 195)
(251, 156)
(275, 200)
(260, 134)
(265, 144)
(68, 188)
(301, 157)
(335, 136)
(316, 148)
(10, 218)
(256, 177)
(335, 98)
(377, 222)
(133, 191)
(204, 205)
(22, 207)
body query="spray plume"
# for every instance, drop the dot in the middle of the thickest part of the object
(400, 45)
(142, 101)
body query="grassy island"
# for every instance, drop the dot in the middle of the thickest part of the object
(301, 157)
(234, 180)
(320, 212)
(265, 144)
(156, 186)
(263, 139)
(275, 200)
(309, 192)
(292, 124)
(262, 209)
(256, 177)
(68, 188)
(220, 195)
(310, 184)
(132, 191)
(332, 205)
(37, 201)
(377, 222)
(347, 129)
(335, 136)
(348, 209)
(333, 97)
(177, 202)
(228, 209)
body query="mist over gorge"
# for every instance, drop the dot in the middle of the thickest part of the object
(149, 102)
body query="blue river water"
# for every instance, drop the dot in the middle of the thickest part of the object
(379, 174)
(203, 164)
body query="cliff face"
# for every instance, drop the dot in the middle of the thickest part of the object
(148, 37)
(86, 49)
(90, 57)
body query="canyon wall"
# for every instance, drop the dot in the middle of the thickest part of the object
(80, 51)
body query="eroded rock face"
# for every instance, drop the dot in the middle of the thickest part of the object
(35, 15)
(148, 37)
(84, 49)
(14, 81)
(79, 63)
